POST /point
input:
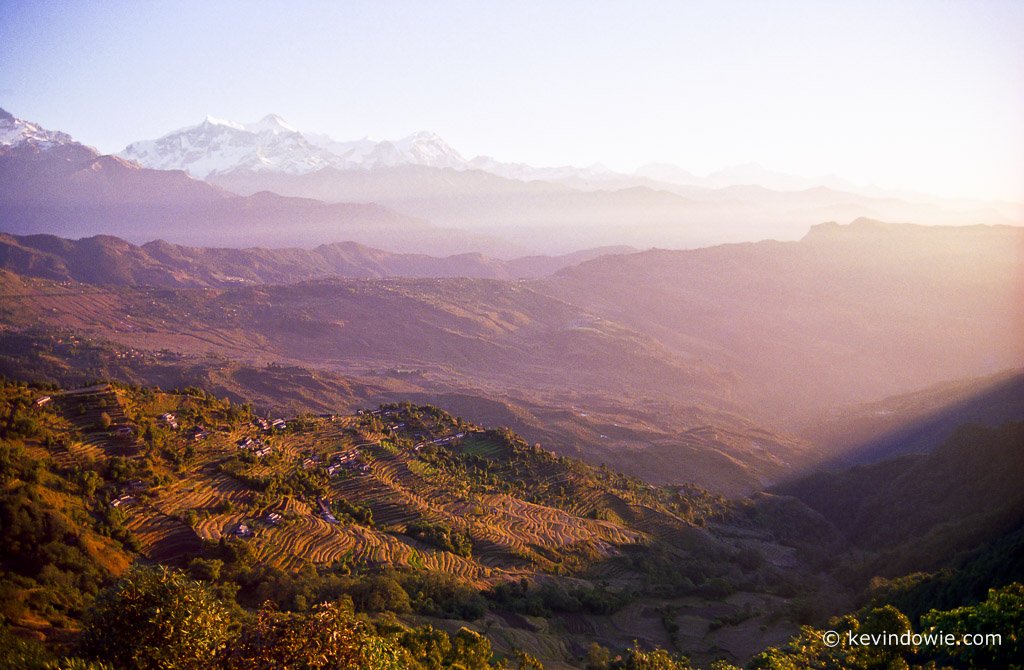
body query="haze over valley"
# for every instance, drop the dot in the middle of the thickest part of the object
(418, 189)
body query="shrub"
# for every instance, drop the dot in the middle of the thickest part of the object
(330, 637)
(156, 619)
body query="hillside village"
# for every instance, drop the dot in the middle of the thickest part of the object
(185, 477)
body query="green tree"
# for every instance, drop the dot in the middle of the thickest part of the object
(659, 659)
(329, 638)
(525, 661)
(597, 658)
(809, 649)
(470, 651)
(17, 653)
(90, 481)
(156, 619)
(381, 593)
(1001, 613)
(429, 646)
(205, 569)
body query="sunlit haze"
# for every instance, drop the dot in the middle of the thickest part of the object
(916, 95)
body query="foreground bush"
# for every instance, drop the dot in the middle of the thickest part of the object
(157, 619)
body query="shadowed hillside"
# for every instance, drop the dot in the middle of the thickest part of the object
(920, 421)
(921, 512)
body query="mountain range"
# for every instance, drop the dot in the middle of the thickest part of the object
(50, 183)
(413, 195)
(217, 147)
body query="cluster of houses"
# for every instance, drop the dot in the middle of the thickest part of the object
(243, 529)
(379, 413)
(134, 486)
(446, 439)
(122, 500)
(129, 353)
(201, 432)
(348, 460)
(257, 446)
(267, 425)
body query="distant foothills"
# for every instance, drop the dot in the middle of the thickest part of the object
(709, 366)
(160, 263)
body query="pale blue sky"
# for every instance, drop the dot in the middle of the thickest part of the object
(926, 95)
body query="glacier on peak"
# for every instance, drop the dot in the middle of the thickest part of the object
(218, 146)
(16, 132)
(271, 123)
(214, 121)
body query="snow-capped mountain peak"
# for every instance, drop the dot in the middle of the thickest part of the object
(271, 123)
(218, 146)
(15, 132)
(426, 148)
(214, 121)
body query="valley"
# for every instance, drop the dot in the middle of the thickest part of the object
(268, 399)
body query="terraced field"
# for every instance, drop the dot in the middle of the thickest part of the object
(85, 410)
(521, 509)
(163, 538)
(560, 551)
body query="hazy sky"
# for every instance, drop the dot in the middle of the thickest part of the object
(926, 95)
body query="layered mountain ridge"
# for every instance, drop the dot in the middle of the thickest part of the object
(50, 183)
(217, 146)
(385, 195)
(161, 263)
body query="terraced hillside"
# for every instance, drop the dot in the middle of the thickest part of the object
(473, 526)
